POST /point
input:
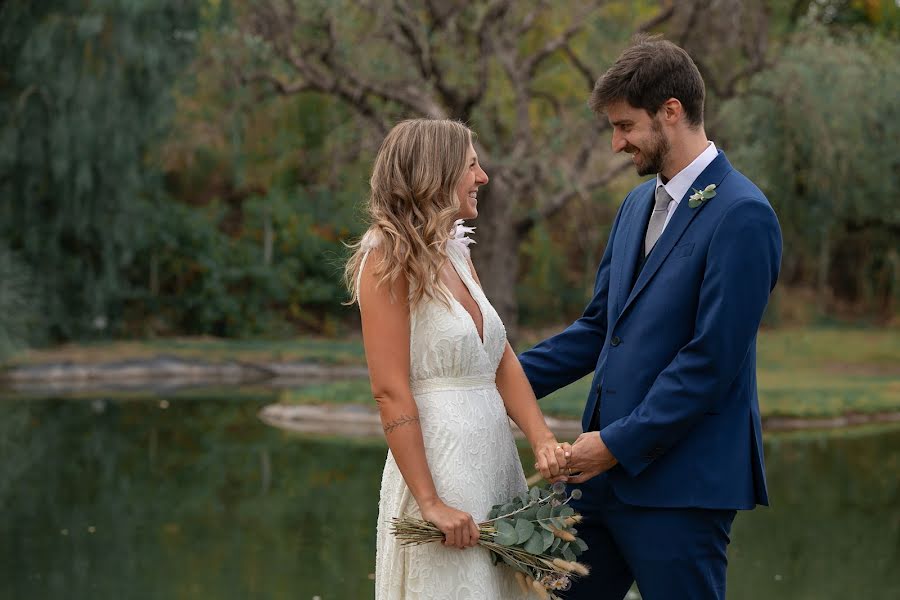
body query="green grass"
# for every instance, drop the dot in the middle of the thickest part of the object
(351, 391)
(803, 372)
(320, 350)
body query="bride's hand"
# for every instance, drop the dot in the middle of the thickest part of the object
(458, 527)
(551, 458)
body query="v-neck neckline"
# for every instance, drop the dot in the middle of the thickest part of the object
(482, 337)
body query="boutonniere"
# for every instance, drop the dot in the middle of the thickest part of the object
(701, 196)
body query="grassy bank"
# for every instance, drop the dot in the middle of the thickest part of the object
(810, 372)
(806, 372)
(318, 350)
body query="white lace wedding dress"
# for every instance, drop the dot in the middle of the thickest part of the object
(469, 446)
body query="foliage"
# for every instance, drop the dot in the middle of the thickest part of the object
(156, 179)
(518, 73)
(820, 134)
(19, 307)
(280, 179)
(276, 274)
(84, 93)
(881, 15)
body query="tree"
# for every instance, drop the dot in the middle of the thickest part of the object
(518, 73)
(821, 130)
(84, 93)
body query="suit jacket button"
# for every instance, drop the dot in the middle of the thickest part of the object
(616, 340)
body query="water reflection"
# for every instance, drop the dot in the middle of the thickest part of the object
(198, 499)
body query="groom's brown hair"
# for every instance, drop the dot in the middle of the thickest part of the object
(648, 73)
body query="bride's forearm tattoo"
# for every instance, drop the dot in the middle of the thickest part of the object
(399, 422)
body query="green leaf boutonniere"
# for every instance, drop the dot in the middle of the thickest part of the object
(701, 196)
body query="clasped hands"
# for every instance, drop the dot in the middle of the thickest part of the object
(573, 463)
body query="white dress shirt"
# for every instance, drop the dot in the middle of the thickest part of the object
(681, 183)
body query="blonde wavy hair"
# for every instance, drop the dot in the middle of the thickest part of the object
(412, 206)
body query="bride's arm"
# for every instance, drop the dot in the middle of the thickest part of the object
(522, 407)
(385, 325)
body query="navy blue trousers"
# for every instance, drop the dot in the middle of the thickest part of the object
(672, 553)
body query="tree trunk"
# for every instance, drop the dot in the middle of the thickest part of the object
(823, 269)
(496, 254)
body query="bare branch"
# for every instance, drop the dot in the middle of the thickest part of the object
(589, 76)
(583, 157)
(730, 89)
(557, 203)
(521, 72)
(689, 24)
(487, 40)
(529, 19)
(657, 20)
(531, 63)
(282, 87)
(403, 34)
(550, 99)
(344, 81)
(439, 20)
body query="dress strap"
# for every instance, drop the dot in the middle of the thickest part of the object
(362, 265)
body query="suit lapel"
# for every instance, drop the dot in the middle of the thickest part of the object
(634, 245)
(679, 222)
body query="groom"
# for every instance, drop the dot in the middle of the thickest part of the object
(673, 442)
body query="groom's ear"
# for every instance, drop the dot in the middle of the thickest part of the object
(671, 112)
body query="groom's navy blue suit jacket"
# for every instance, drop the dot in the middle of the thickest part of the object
(673, 351)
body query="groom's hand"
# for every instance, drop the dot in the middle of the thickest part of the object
(590, 457)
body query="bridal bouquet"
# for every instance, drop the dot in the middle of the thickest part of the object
(533, 533)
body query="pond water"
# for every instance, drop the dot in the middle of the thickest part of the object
(197, 498)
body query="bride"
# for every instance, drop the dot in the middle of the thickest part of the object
(442, 373)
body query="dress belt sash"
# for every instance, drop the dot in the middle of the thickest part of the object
(439, 384)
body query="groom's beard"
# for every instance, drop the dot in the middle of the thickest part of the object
(654, 153)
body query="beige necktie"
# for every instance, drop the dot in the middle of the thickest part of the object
(657, 219)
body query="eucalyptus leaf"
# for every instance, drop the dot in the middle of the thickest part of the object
(567, 553)
(524, 529)
(547, 538)
(535, 493)
(566, 511)
(506, 534)
(580, 543)
(556, 544)
(529, 514)
(535, 543)
(543, 512)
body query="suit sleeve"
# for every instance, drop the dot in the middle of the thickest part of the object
(570, 355)
(742, 268)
